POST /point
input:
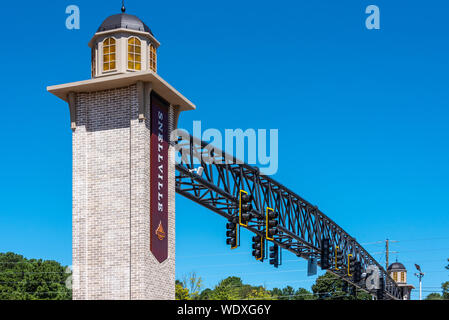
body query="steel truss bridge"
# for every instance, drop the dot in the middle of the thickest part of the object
(301, 225)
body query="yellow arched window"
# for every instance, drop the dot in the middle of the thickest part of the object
(109, 57)
(153, 58)
(134, 54)
(402, 276)
(395, 276)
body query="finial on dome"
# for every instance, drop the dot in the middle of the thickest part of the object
(123, 6)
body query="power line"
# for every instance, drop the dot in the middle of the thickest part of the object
(253, 273)
(343, 294)
(425, 250)
(296, 281)
(406, 240)
(214, 255)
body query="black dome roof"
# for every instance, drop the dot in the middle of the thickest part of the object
(396, 266)
(124, 20)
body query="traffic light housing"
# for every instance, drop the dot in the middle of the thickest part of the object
(274, 255)
(245, 208)
(232, 234)
(357, 275)
(326, 258)
(338, 258)
(351, 265)
(271, 223)
(258, 247)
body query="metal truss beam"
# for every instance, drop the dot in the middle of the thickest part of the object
(302, 225)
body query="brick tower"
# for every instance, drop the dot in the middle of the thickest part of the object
(123, 167)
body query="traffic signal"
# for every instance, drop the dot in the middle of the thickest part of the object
(244, 208)
(258, 247)
(338, 258)
(274, 255)
(380, 291)
(351, 265)
(325, 254)
(232, 234)
(271, 223)
(357, 275)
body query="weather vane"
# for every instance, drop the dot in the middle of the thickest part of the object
(123, 6)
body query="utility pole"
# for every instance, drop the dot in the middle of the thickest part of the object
(387, 252)
(387, 247)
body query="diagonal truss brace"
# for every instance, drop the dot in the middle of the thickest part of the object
(301, 224)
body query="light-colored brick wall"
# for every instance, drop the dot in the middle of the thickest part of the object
(111, 202)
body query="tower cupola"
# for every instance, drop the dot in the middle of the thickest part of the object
(122, 44)
(398, 272)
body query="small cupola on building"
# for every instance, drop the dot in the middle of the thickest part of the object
(399, 274)
(123, 44)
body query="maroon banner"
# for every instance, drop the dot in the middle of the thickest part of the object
(159, 144)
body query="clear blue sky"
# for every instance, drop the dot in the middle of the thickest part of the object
(363, 119)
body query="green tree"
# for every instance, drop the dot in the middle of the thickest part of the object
(259, 293)
(303, 294)
(227, 289)
(193, 283)
(445, 287)
(181, 293)
(286, 293)
(276, 293)
(434, 296)
(330, 287)
(31, 279)
(206, 294)
(245, 291)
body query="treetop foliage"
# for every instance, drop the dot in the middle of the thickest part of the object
(37, 279)
(32, 279)
(326, 287)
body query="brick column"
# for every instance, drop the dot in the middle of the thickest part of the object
(111, 201)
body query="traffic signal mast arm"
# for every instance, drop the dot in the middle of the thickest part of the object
(301, 225)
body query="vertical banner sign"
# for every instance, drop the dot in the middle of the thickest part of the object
(159, 144)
